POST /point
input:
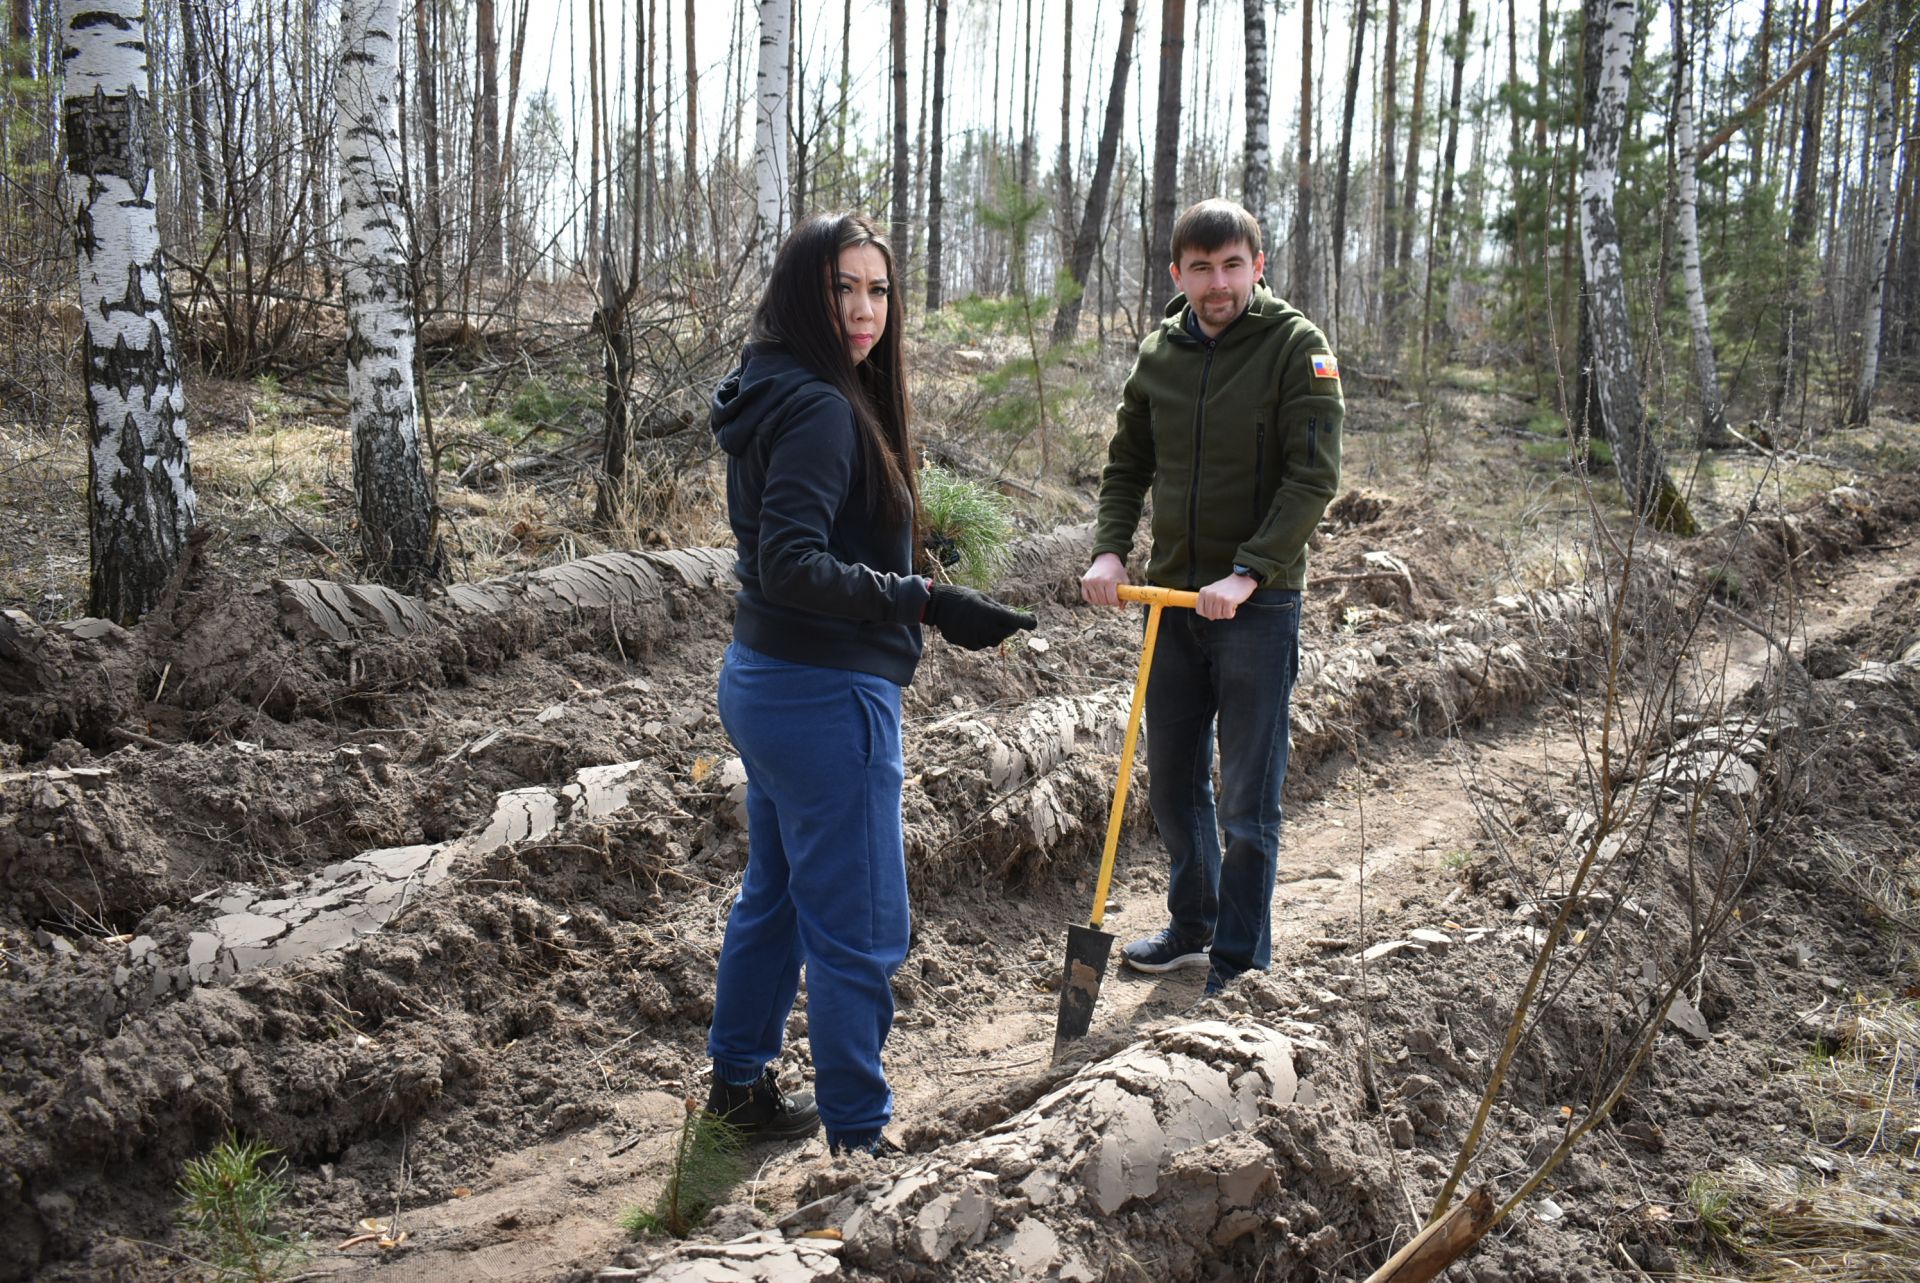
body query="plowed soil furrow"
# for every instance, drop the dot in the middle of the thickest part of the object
(503, 1066)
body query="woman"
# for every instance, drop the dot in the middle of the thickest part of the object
(822, 500)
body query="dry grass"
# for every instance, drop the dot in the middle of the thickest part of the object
(274, 474)
(43, 491)
(1851, 1211)
(277, 481)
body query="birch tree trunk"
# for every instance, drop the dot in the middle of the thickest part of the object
(1615, 381)
(1885, 145)
(770, 128)
(1066, 321)
(139, 485)
(936, 202)
(389, 482)
(1713, 412)
(1166, 144)
(1259, 157)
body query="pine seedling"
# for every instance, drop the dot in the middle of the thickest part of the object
(233, 1199)
(967, 528)
(706, 1166)
(1023, 394)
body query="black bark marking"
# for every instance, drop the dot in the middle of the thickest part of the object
(108, 136)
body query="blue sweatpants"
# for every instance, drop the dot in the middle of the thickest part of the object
(826, 880)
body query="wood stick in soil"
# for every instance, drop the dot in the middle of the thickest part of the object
(1439, 1244)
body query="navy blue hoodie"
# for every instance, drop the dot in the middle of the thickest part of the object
(824, 578)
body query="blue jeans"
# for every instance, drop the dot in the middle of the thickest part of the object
(826, 880)
(1238, 673)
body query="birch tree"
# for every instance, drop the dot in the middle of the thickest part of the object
(1614, 380)
(390, 489)
(1258, 162)
(139, 485)
(1885, 149)
(1713, 413)
(770, 127)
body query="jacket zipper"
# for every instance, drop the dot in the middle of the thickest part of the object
(1259, 467)
(1193, 490)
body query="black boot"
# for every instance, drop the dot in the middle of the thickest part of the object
(761, 1111)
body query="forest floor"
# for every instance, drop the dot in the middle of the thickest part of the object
(493, 1069)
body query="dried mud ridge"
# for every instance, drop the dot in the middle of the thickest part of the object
(350, 873)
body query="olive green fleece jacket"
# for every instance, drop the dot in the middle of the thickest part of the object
(1239, 441)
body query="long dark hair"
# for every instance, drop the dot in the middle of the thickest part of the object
(797, 312)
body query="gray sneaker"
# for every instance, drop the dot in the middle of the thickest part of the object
(1163, 951)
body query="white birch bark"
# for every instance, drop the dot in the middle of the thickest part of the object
(1258, 162)
(771, 177)
(1614, 379)
(140, 488)
(1885, 146)
(389, 480)
(1713, 413)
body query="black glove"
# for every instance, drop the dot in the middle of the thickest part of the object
(973, 619)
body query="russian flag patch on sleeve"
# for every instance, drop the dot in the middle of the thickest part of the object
(1325, 367)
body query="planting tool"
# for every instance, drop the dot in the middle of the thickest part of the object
(1089, 946)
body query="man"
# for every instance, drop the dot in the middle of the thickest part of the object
(1231, 417)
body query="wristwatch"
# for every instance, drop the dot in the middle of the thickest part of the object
(1245, 571)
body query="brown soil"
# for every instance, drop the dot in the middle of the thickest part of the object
(500, 1070)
